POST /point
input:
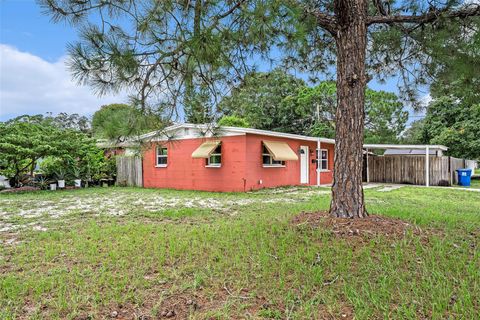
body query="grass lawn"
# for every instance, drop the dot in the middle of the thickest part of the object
(475, 183)
(130, 253)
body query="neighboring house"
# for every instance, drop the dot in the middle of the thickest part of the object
(198, 157)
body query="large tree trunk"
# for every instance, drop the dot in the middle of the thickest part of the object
(351, 39)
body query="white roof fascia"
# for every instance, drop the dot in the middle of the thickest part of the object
(278, 134)
(404, 146)
(229, 130)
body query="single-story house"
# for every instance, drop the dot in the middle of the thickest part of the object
(231, 159)
(202, 157)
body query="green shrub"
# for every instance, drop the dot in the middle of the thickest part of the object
(233, 121)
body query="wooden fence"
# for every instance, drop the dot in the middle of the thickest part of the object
(129, 171)
(411, 169)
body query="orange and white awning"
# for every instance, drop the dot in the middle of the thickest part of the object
(280, 151)
(205, 149)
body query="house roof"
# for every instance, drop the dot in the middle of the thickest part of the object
(181, 131)
(225, 131)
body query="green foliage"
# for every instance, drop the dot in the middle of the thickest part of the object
(170, 53)
(50, 165)
(43, 183)
(415, 134)
(322, 129)
(312, 110)
(450, 122)
(114, 121)
(455, 49)
(233, 121)
(261, 250)
(456, 124)
(72, 121)
(258, 100)
(62, 153)
(385, 117)
(26, 139)
(280, 102)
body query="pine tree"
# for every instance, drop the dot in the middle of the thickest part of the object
(170, 49)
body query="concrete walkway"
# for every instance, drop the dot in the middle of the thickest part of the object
(386, 187)
(390, 186)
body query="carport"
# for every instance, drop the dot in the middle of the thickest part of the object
(426, 148)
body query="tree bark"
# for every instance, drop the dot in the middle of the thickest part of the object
(351, 41)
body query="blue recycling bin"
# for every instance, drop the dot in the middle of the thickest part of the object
(464, 177)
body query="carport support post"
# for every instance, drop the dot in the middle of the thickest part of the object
(368, 170)
(318, 154)
(427, 166)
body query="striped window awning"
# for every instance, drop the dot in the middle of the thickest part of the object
(280, 151)
(205, 149)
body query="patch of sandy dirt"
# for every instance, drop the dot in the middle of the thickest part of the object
(40, 212)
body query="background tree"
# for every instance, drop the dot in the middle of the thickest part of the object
(280, 102)
(30, 140)
(258, 99)
(23, 141)
(385, 117)
(172, 49)
(115, 121)
(456, 52)
(72, 121)
(317, 105)
(456, 124)
(233, 121)
(415, 133)
(450, 122)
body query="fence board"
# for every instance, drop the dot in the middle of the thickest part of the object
(411, 169)
(129, 171)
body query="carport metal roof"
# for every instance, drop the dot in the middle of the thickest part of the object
(405, 146)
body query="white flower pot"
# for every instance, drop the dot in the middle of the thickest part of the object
(53, 186)
(78, 183)
(61, 184)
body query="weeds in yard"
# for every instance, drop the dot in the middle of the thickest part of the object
(204, 263)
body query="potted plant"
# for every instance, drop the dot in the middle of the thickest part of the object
(88, 176)
(76, 174)
(43, 183)
(53, 186)
(60, 174)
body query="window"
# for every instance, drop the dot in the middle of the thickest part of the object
(215, 159)
(268, 160)
(323, 159)
(162, 156)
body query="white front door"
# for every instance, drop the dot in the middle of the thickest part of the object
(303, 164)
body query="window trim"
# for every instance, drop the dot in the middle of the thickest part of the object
(157, 156)
(271, 164)
(213, 154)
(320, 160)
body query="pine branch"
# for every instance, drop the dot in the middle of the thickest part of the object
(431, 16)
(325, 20)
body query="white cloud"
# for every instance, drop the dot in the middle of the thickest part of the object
(31, 85)
(425, 100)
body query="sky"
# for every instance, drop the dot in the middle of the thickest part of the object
(33, 75)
